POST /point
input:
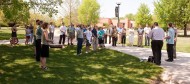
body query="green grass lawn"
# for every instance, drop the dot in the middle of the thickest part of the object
(17, 66)
(5, 33)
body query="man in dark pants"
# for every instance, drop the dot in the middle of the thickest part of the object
(79, 40)
(63, 30)
(157, 36)
(38, 40)
(170, 42)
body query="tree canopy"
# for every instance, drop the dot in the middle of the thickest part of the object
(88, 12)
(175, 11)
(143, 15)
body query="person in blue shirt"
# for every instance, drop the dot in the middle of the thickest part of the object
(101, 37)
(170, 42)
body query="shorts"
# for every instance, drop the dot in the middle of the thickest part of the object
(71, 35)
(28, 37)
(45, 50)
(88, 43)
(100, 40)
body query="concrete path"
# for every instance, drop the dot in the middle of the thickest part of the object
(176, 72)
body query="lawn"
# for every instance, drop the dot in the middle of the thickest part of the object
(104, 66)
(5, 33)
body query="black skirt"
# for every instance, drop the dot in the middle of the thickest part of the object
(14, 34)
(45, 50)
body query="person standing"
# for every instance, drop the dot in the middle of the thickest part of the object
(131, 36)
(170, 42)
(105, 35)
(110, 33)
(14, 34)
(94, 39)
(101, 37)
(119, 30)
(38, 40)
(140, 32)
(114, 37)
(88, 34)
(71, 33)
(51, 30)
(31, 27)
(79, 40)
(157, 35)
(175, 41)
(147, 29)
(123, 37)
(28, 32)
(63, 30)
(45, 46)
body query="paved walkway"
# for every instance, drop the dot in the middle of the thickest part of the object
(177, 72)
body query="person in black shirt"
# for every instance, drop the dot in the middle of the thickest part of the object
(94, 39)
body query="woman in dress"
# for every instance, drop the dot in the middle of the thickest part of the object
(45, 46)
(28, 32)
(14, 34)
(131, 36)
(123, 37)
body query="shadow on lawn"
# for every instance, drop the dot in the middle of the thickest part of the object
(103, 66)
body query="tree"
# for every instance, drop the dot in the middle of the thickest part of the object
(15, 10)
(19, 9)
(130, 16)
(88, 12)
(70, 11)
(143, 15)
(176, 11)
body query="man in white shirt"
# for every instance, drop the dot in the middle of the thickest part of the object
(157, 35)
(63, 30)
(147, 30)
(51, 30)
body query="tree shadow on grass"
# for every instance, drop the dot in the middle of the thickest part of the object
(101, 66)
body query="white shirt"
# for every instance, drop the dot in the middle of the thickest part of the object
(147, 30)
(63, 30)
(88, 35)
(157, 34)
(51, 28)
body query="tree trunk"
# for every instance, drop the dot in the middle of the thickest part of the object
(185, 30)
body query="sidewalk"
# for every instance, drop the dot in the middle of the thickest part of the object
(176, 72)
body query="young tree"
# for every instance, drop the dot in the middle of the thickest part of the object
(143, 15)
(88, 12)
(176, 11)
(70, 8)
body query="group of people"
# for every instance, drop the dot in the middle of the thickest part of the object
(98, 36)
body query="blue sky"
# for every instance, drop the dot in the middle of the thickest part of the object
(107, 7)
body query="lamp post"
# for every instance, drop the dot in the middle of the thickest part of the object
(118, 4)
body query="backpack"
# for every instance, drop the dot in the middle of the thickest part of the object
(151, 59)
